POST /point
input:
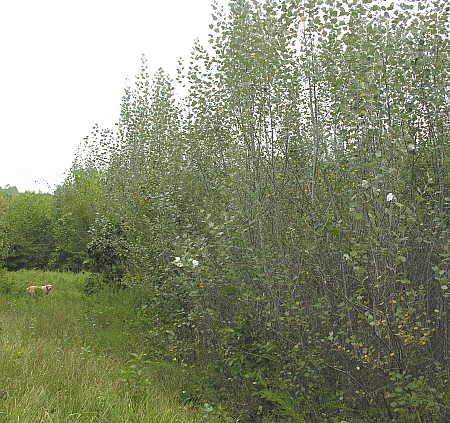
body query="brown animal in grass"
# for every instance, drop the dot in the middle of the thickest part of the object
(33, 290)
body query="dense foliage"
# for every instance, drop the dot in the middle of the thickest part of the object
(25, 226)
(290, 212)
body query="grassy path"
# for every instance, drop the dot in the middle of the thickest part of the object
(61, 357)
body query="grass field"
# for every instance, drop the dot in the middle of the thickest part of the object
(62, 356)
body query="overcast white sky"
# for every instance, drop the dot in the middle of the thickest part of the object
(63, 67)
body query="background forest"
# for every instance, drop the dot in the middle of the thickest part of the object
(286, 210)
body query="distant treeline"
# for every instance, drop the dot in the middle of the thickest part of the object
(9, 190)
(44, 231)
(289, 215)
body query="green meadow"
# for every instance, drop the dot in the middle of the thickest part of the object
(64, 357)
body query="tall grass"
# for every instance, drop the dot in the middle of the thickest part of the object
(62, 355)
